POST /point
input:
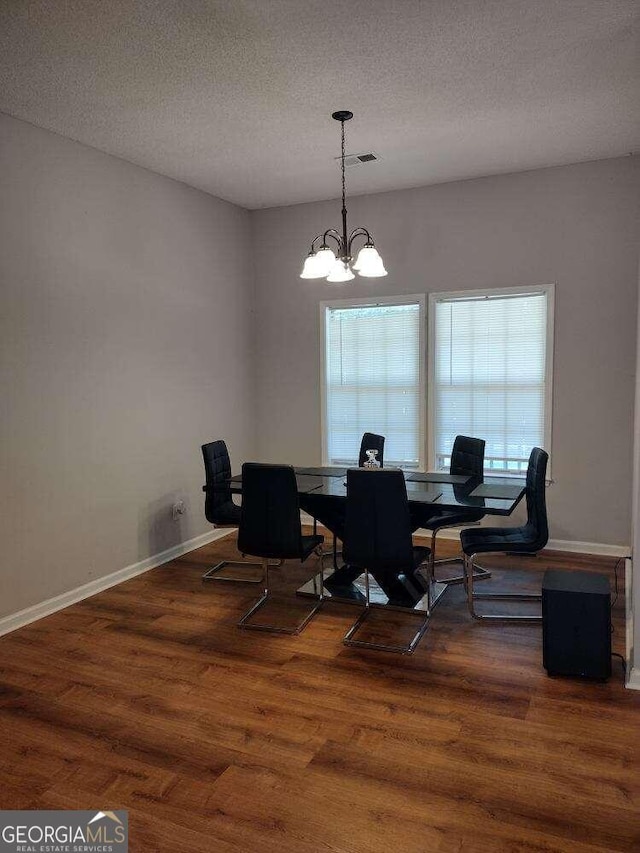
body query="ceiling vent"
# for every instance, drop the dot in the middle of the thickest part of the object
(357, 159)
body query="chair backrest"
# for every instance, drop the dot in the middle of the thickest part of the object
(377, 531)
(371, 441)
(270, 515)
(467, 456)
(537, 525)
(217, 470)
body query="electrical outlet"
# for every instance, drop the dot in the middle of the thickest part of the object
(177, 510)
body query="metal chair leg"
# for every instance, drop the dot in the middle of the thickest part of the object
(334, 552)
(407, 649)
(266, 595)
(480, 574)
(212, 573)
(498, 596)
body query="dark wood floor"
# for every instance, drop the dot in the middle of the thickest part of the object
(148, 698)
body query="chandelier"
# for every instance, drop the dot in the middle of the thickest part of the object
(323, 262)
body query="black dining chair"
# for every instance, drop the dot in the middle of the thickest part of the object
(467, 459)
(371, 441)
(528, 539)
(219, 508)
(329, 512)
(378, 542)
(270, 528)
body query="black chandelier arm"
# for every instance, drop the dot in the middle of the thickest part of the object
(331, 232)
(358, 232)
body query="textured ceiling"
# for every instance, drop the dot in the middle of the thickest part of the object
(234, 96)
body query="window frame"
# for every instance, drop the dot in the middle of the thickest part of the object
(373, 302)
(487, 293)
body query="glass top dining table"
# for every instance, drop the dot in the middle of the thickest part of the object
(493, 494)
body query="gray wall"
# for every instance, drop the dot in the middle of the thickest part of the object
(574, 225)
(125, 311)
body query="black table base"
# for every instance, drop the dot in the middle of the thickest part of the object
(355, 592)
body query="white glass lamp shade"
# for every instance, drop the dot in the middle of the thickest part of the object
(340, 271)
(366, 253)
(310, 268)
(325, 261)
(373, 271)
(369, 263)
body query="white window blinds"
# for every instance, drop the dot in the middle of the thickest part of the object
(372, 381)
(490, 375)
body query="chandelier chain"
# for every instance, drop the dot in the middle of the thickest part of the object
(343, 179)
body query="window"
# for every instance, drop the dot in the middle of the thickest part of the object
(373, 379)
(490, 369)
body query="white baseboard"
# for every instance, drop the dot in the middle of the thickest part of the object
(59, 602)
(598, 549)
(633, 674)
(595, 548)
(570, 547)
(633, 680)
